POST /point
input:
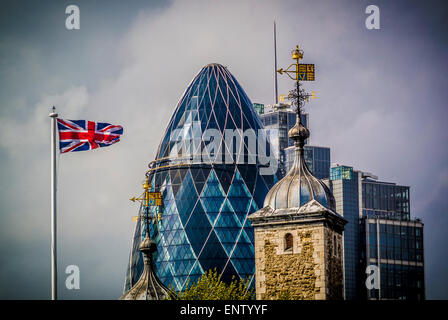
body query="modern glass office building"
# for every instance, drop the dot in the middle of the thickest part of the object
(395, 247)
(206, 200)
(379, 225)
(392, 241)
(385, 200)
(344, 182)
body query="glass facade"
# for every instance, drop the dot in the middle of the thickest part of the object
(380, 232)
(344, 184)
(385, 200)
(341, 172)
(396, 247)
(205, 202)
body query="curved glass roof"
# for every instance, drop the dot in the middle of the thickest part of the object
(213, 100)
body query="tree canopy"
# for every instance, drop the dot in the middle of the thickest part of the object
(210, 287)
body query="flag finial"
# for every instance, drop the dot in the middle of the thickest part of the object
(53, 113)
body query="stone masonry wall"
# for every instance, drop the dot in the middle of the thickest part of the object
(311, 270)
(298, 273)
(334, 265)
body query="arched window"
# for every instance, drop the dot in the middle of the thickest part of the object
(288, 242)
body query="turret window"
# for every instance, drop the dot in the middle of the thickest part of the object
(289, 240)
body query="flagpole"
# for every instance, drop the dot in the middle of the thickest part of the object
(54, 274)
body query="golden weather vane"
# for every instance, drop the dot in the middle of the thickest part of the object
(299, 72)
(297, 55)
(149, 199)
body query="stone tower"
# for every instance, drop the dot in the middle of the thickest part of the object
(298, 234)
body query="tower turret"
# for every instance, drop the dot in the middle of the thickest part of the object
(298, 234)
(148, 287)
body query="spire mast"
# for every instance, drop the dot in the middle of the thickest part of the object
(275, 64)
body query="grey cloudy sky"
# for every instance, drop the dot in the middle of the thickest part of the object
(381, 107)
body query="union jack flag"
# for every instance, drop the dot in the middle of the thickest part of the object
(83, 135)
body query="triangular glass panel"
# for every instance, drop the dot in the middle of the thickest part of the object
(224, 174)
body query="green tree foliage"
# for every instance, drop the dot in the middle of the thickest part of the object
(285, 295)
(210, 287)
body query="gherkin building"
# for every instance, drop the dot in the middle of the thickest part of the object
(206, 199)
